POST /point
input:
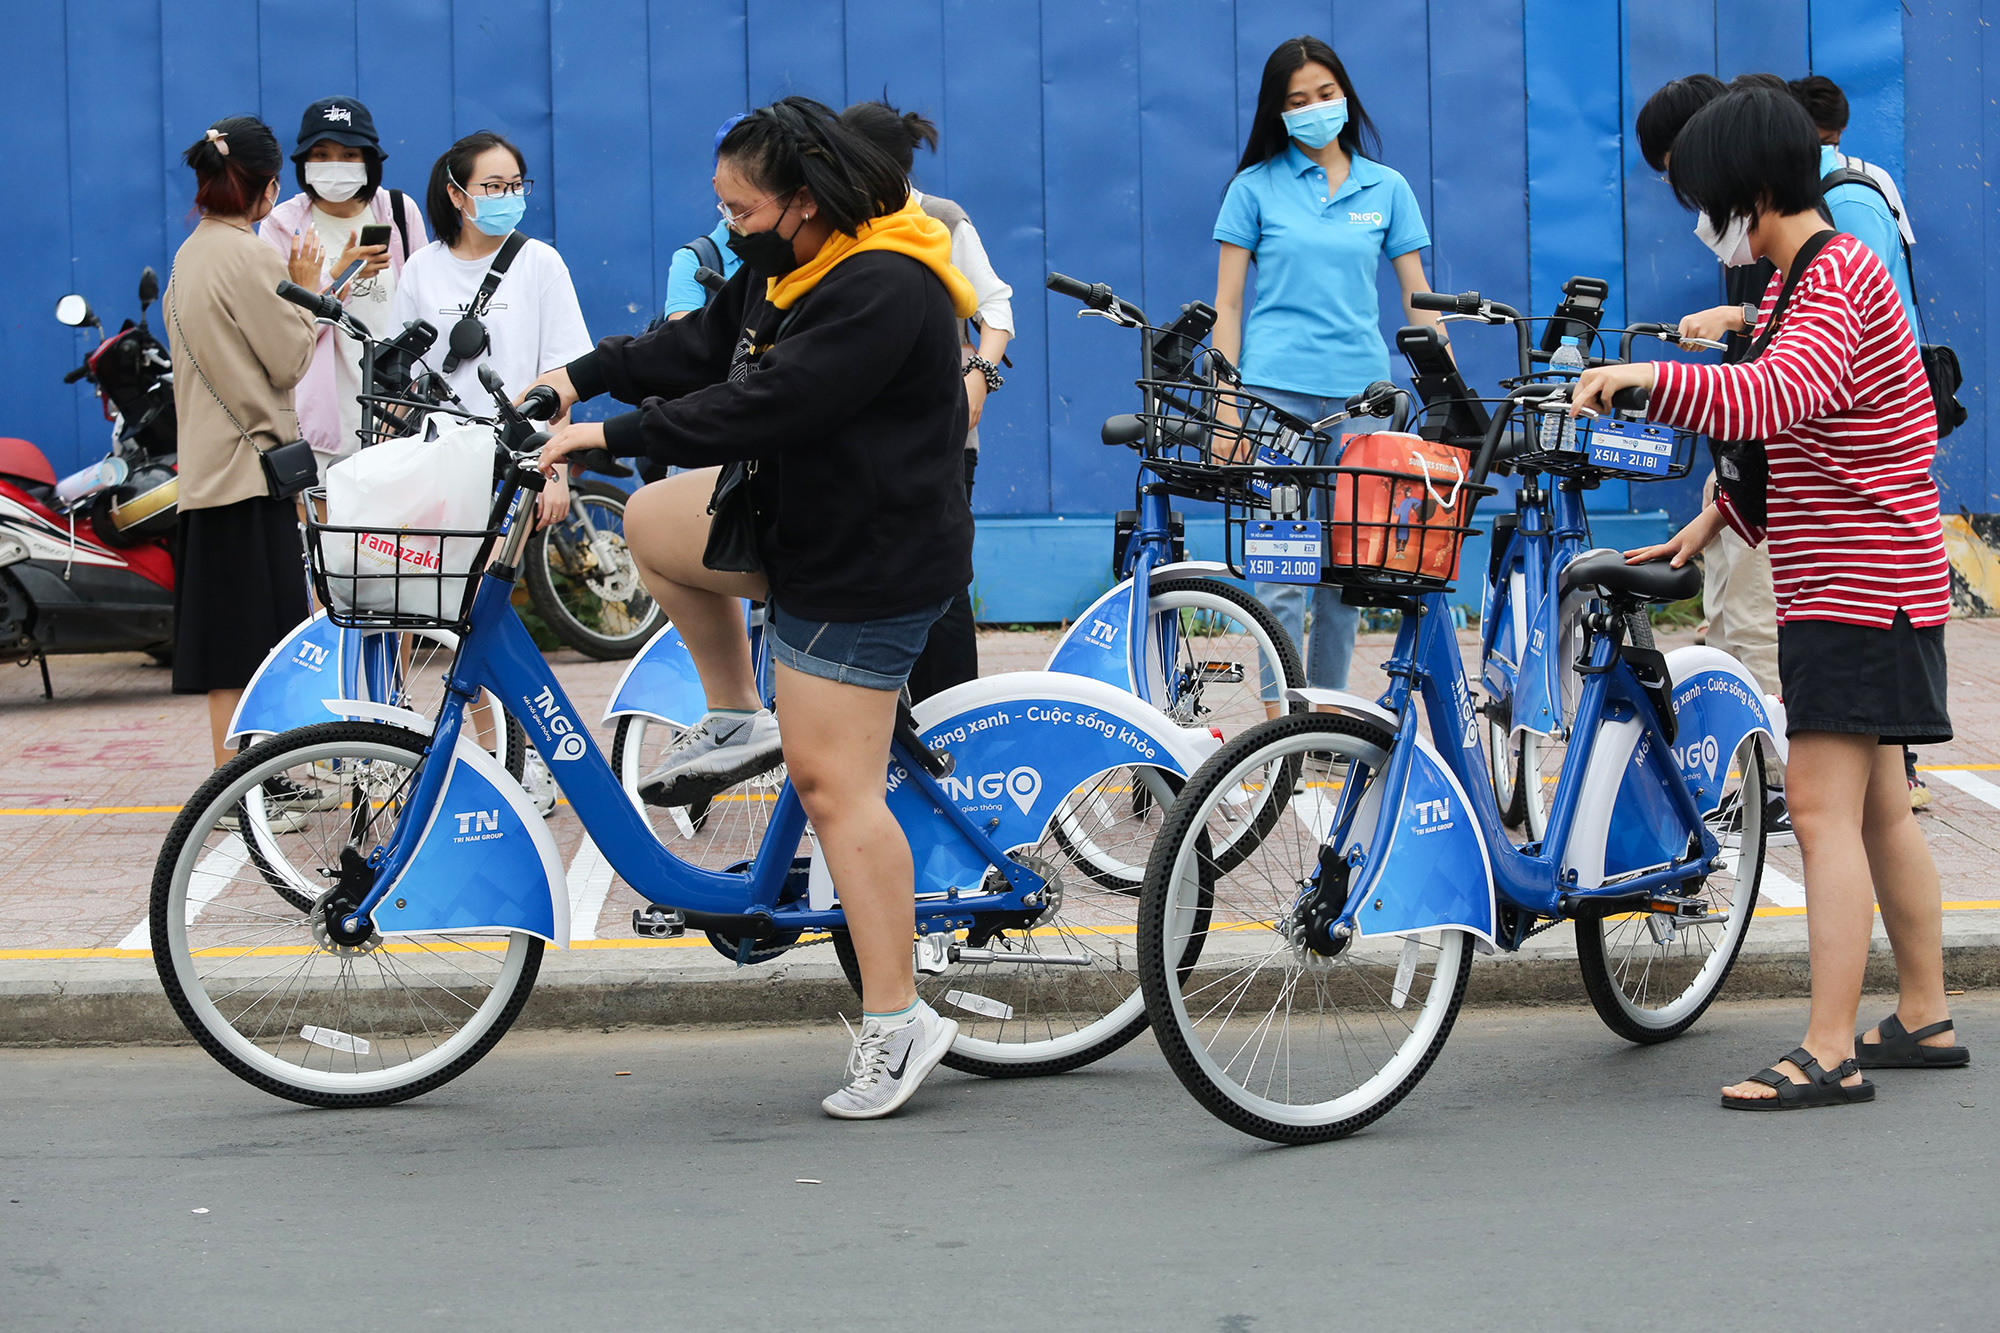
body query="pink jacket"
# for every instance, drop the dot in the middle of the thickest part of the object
(317, 397)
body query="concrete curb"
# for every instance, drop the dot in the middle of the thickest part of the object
(119, 1001)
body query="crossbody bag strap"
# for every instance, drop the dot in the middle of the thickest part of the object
(490, 284)
(1800, 263)
(402, 227)
(174, 313)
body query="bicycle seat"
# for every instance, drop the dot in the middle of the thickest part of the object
(1654, 581)
(1123, 431)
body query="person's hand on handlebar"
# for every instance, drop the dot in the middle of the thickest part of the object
(1684, 545)
(558, 379)
(553, 506)
(572, 438)
(1592, 394)
(1713, 324)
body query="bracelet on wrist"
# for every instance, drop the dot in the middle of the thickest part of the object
(987, 370)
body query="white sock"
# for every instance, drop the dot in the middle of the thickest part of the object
(895, 1020)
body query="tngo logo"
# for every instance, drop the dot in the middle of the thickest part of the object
(1023, 784)
(1371, 219)
(1703, 754)
(569, 745)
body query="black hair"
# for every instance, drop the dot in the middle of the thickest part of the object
(456, 164)
(1358, 137)
(797, 143)
(1667, 110)
(369, 158)
(1750, 151)
(231, 182)
(897, 133)
(1774, 82)
(1823, 101)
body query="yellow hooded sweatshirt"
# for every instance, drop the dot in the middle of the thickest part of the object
(908, 231)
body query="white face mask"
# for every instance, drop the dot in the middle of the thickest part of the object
(1732, 247)
(336, 182)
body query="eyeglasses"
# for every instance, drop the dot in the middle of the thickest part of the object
(734, 221)
(500, 189)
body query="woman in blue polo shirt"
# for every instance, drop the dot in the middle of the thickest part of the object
(1318, 218)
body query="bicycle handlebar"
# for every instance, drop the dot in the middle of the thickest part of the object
(1097, 296)
(1465, 303)
(321, 307)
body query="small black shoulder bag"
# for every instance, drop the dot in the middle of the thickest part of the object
(732, 526)
(1742, 469)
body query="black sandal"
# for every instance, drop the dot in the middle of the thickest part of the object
(1899, 1049)
(1821, 1088)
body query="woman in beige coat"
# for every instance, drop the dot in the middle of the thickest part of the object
(238, 348)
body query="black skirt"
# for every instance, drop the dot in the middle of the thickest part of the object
(239, 587)
(1887, 683)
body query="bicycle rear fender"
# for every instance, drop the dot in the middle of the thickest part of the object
(316, 660)
(1434, 872)
(1019, 744)
(486, 861)
(1626, 818)
(1096, 645)
(660, 682)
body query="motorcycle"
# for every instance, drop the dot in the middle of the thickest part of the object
(86, 560)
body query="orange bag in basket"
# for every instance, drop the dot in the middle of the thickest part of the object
(1389, 522)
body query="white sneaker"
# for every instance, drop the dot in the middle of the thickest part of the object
(539, 782)
(887, 1064)
(720, 752)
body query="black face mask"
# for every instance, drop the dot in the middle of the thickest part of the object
(766, 252)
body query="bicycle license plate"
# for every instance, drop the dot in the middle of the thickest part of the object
(1639, 447)
(1269, 457)
(1281, 551)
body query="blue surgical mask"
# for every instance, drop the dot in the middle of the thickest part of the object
(497, 217)
(1317, 125)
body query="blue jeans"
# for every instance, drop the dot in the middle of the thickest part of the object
(1331, 648)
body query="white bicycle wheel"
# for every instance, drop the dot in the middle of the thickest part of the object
(265, 988)
(722, 831)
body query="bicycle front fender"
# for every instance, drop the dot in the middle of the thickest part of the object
(1432, 871)
(486, 861)
(1627, 817)
(1020, 743)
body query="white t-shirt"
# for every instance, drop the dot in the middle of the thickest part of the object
(369, 301)
(533, 323)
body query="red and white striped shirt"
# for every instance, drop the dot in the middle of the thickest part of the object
(1840, 401)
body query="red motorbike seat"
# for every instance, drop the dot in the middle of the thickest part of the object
(18, 458)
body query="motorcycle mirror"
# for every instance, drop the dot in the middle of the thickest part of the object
(149, 287)
(74, 311)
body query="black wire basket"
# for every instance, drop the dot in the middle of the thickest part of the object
(1199, 434)
(1604, 448)
(394, 578)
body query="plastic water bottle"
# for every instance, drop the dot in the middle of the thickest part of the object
(88, 481)
(1559, 428)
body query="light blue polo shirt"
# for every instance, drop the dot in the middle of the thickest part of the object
(683, 292)
(1864, 214)
(1316, 325)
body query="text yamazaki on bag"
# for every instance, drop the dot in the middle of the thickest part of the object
(1403, 522)
(396, 489)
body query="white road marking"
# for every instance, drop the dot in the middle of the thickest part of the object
(1315, 811)
(1776, 889)
(590, 878)
(215, 873)
(1971, 784)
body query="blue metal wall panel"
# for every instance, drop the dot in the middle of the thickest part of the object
(500, 59)
(403, 68)
(1761, 37)
(1390, 62)
(1986, 369)
(1090, 78)
(35, 351)
(601, 171)
(1859, 45)
(895, 48)
(1187, 153)
(207, 70)
(696, 51)
(1575, 177)
(306, 50)
(1260, 26)
(796, 46)
(993, 109)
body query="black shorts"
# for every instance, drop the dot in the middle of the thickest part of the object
(1887, 683)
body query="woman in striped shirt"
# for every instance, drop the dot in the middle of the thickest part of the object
(1857, 556)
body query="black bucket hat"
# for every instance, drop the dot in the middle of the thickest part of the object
(341, 119)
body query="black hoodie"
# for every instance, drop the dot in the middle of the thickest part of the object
(856, 415)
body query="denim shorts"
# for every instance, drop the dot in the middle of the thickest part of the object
(874, 654)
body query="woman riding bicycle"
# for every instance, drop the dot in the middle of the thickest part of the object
(830, 364)
(1318, 218)
(1839, 399)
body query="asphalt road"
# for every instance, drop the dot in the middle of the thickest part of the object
(1544, 1176)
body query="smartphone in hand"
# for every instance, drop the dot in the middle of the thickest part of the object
(375, 233)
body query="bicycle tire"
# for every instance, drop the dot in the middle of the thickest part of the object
(551, 604)
(183, 856)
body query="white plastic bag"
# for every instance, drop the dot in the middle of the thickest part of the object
(399, 485)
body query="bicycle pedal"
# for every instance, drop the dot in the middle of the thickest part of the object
(659, 923)
(1221, 673)
(934, 952)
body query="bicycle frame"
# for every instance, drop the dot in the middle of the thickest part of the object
(1551, 529)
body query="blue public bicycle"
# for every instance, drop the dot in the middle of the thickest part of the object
(384, 944)
(1330, 963)
(1170, 631)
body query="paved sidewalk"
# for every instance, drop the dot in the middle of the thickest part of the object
(90, 782)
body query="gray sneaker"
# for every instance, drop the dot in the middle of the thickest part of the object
(887, 1064)
(719, 753)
